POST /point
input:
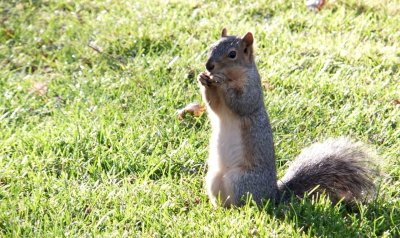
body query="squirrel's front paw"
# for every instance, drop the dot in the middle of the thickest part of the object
(207, 80)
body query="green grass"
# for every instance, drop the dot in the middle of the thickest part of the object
(89, 140)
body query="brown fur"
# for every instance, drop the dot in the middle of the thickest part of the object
(248, 162)
(241, 152)
(237, 78)
(211, 92)
(214, 99)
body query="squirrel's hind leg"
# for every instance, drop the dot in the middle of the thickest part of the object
(235, 185)
(220, 187)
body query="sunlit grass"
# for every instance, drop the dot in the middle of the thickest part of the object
(89, 140)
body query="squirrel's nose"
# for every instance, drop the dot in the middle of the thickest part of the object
(209, 66)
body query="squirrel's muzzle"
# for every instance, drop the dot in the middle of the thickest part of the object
(210, 65)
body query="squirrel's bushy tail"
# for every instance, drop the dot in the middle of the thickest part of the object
(340, 168)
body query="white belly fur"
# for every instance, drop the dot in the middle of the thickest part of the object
(225, 157)
(226, 146)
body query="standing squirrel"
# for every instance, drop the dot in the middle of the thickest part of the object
(241, 152)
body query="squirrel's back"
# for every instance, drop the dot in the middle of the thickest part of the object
(241, 156)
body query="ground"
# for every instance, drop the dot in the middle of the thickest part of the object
(90, 144)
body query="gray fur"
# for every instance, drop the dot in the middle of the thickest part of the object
(339, 167)
(260, 181)
(249, 104)
(250, 100)
(222, 46)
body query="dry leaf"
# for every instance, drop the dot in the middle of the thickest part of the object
(9, 33)
(39, 88)
(267, 86)
(315, 5)
(396, 101)
(193, 108)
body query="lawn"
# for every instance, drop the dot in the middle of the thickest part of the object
(90, 144)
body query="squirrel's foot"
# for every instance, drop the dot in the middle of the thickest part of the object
(209, 80)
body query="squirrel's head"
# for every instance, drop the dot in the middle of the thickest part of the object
(230, 51)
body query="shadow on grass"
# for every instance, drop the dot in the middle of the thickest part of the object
(359, 7)
(317, 216)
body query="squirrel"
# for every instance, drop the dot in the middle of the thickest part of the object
(241, 159)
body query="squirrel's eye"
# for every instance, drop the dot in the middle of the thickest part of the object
(232, 54)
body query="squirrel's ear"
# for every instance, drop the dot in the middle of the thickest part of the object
(224, 33)
(248, 39)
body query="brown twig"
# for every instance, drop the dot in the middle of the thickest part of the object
(98, 50)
